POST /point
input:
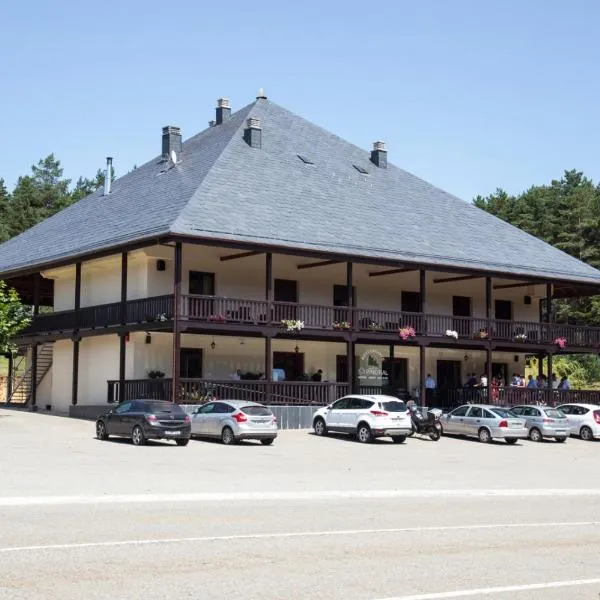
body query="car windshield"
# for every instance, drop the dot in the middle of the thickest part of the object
(394, 406)
(503, 413)
(164, 407)
(554, 414)
(256, 411)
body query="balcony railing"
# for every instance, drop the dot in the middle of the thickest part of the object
(316, 317)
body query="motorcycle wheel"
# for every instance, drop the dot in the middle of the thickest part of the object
(434, 434)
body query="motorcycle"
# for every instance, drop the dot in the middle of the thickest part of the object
(429, 425)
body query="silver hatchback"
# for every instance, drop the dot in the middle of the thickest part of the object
(543, 422)
(233, 420)
(486, 422)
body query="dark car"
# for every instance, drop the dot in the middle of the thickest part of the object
(143, 420)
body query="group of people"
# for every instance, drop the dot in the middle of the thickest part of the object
(541, 382)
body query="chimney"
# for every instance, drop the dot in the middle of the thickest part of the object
(223, 110)
(171, 141)
(253, 133)
(379, 155)
(108, 176)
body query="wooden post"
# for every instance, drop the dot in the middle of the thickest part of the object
(549, 312)
(34, 360)
(550, 389)
(76, 338)
(488, 305)
(350, 363)
(122, 337)
(176, 320)
(268, 368)
(350, 297)
(540, 358)
(423, 299)
(269, 286)
(488, 352)
(422, 390)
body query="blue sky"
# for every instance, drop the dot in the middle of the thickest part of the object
(468, 94)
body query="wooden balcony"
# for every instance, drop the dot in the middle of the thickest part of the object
(247, 315)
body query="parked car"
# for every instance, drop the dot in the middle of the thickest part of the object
(543, 422)
(233, 420)
(366, 417)
(584, 420)
(143, 420)
(486, 422)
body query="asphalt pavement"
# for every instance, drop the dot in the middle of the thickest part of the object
(305, 518)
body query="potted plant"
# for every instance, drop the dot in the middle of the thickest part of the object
(292, 325)
(341, 325)
(482, 334)
(407, 333)
(561, 342)
(217, 318)
(521, 337)
(155, 374)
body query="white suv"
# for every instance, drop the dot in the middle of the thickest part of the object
(367, 417)
(584, 420)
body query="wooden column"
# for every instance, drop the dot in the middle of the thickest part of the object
(422, 391)
(76, 338)
(423, 298)
(176, 320)
(549, 311)
(269, 286)
(350, 362)
(350, 296)
(549, 392)
(34, 349)
(34, 361)
(488, 305)
(268, 368)
(540, 358)
(488, 352)
(123, 335)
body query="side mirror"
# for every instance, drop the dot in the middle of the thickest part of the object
(111, 411)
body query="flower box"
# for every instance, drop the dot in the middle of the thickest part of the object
(561, 342)
(292, 325)
(341, 325)
(407, 333)
(218, 318)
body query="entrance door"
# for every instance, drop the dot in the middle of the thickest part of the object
(411, 303)
(448, 380)
(285, 290)
(291, 362)
(340, 298)
(461, 307)
(503, 310)
(190, 366)
(201, 284)
(341, 368)
(397, 375)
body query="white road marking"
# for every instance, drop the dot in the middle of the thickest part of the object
(289, 496)
(498, 590)
(295, 534)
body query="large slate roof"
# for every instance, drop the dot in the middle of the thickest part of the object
(224, 189)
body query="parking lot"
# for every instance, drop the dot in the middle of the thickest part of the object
(305, 518)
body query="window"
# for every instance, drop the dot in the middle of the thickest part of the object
(566, 409)
(488, 415)
(256, 411)
(201, 284)
(359, 404)
(305, 160)
(361, 169)
(342, 403)
(476, 412)
(580, 410)
(552, 413)
(461, 411)
(518, 410)
(411, 302)
(394, 406)
(222, 408)
(207, 409)
(123, 408)
(503, 413)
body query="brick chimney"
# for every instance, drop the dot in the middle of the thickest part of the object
(379, 155)
(253, 133)
(171, 141)
(223, 111)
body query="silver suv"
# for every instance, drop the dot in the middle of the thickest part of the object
(367, 417)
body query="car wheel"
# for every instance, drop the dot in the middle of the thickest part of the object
(561, 439)
(510, 440)
(535, 435)
(399, 439)
(484, 436)
(137, 436)
(412, 432)
(267, 441)
(101, 433)
(182, 442)
(363, 434)
(320, 427)
(227, 436)
(586, 434)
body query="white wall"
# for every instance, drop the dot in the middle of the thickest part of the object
(62, 369)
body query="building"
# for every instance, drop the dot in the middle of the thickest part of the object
(264, 250)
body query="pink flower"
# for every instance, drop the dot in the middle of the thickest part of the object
(407, 332)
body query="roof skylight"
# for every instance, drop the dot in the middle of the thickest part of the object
(361, 169)
(305, 160)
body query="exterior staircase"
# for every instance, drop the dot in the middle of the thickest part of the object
(22, 376)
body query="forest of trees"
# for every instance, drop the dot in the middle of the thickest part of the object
(564, 213)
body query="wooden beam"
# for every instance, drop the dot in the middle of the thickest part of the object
(239, 255)
(506, 286)
(389, 272)
(462, 278)
(321, 263)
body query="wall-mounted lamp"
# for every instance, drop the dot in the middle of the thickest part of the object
(148, 338)
(212, 344)
(296, 349)
(466, 358)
